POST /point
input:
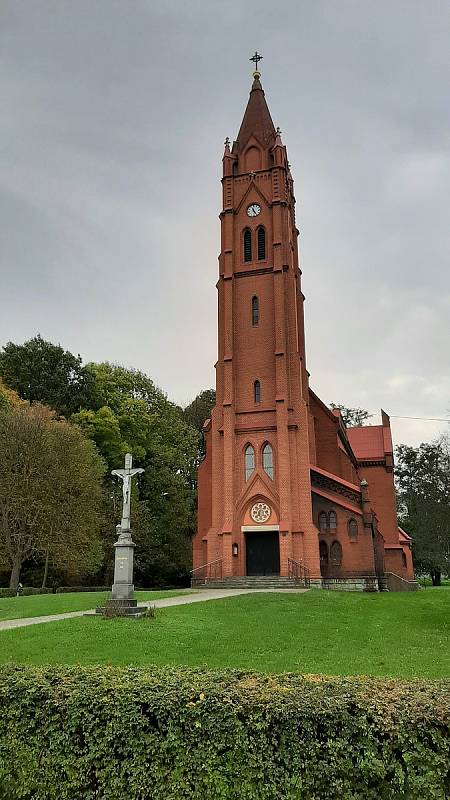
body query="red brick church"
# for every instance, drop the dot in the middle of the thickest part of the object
(285, 489)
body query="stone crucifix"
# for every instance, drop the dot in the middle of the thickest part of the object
(125, 476)
(122, 601)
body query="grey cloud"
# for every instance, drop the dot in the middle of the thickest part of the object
(112, 131)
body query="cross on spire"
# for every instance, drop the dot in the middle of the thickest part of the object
(255, 59)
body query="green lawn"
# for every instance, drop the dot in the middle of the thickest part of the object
(316, 632)
(40, 605)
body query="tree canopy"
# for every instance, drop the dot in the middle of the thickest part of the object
(423, 488)
(50, 491)
(8, 397)
(132, 415)
(43, 372)
(197, 412)
(200, 408)
(352, 417)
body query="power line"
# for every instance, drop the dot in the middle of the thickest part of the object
(425, 419)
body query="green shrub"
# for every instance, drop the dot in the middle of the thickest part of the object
(184, 734)
(66, 589)
(7, 593)
(25, 592)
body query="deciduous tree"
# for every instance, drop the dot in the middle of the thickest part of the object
(352, 417)
(133, 415)
(8, 397)
(42, 372)
(423, 487)
(200, 408)
(50, 491)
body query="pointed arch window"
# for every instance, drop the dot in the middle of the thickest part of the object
(323, 552)
(257, 391)
(352, 529)
(322, 521)
(332, 521)
(249, 461)
(247, 245)
(261, 243)
(255, 311)
(336, 553)
(267, 459)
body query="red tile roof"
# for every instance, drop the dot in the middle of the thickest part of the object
(370, 443)
(336, 478)
(337, 500)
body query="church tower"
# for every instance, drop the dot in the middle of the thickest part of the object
(255, 511)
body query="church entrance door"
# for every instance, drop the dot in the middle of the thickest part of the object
(263, 553)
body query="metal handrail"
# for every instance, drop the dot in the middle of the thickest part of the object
(298, 572)
(213, 569)
(208, 564)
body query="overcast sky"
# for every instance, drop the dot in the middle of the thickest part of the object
(114, 114)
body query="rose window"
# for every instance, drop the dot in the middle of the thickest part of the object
(260, 512)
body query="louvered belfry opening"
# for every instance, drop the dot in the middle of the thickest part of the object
(247, 245)
(261, 243)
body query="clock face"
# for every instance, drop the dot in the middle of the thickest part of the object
(253, 210)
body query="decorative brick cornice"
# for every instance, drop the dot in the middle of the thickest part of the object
(330, 485)
(251, 272)
(376, 463)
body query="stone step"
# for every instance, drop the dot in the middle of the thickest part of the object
(253, 578)
(251, 583)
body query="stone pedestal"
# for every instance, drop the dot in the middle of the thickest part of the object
(123, 608)
(123, 588)
(122, 602)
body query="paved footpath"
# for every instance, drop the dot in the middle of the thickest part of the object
(181, 600)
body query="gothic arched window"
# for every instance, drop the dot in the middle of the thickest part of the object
(336, 553)
(322, 521)
(332, 521)
(261, 243)
(247, 245)
(257, 391)
(352, 528)
(255, 311)
(404, 561)
(267, 460)
(323, 551)
(249, 461)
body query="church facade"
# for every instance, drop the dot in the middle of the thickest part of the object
(285, 489)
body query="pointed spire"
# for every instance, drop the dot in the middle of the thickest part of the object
(228, 158)
(257, 120)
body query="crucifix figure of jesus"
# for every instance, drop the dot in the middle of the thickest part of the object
(125, 476)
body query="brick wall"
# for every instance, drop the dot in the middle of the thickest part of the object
(357, 554)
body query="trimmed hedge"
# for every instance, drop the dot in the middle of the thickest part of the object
(24, 592)
(29, 590)
(67, 589)
(178, 733)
